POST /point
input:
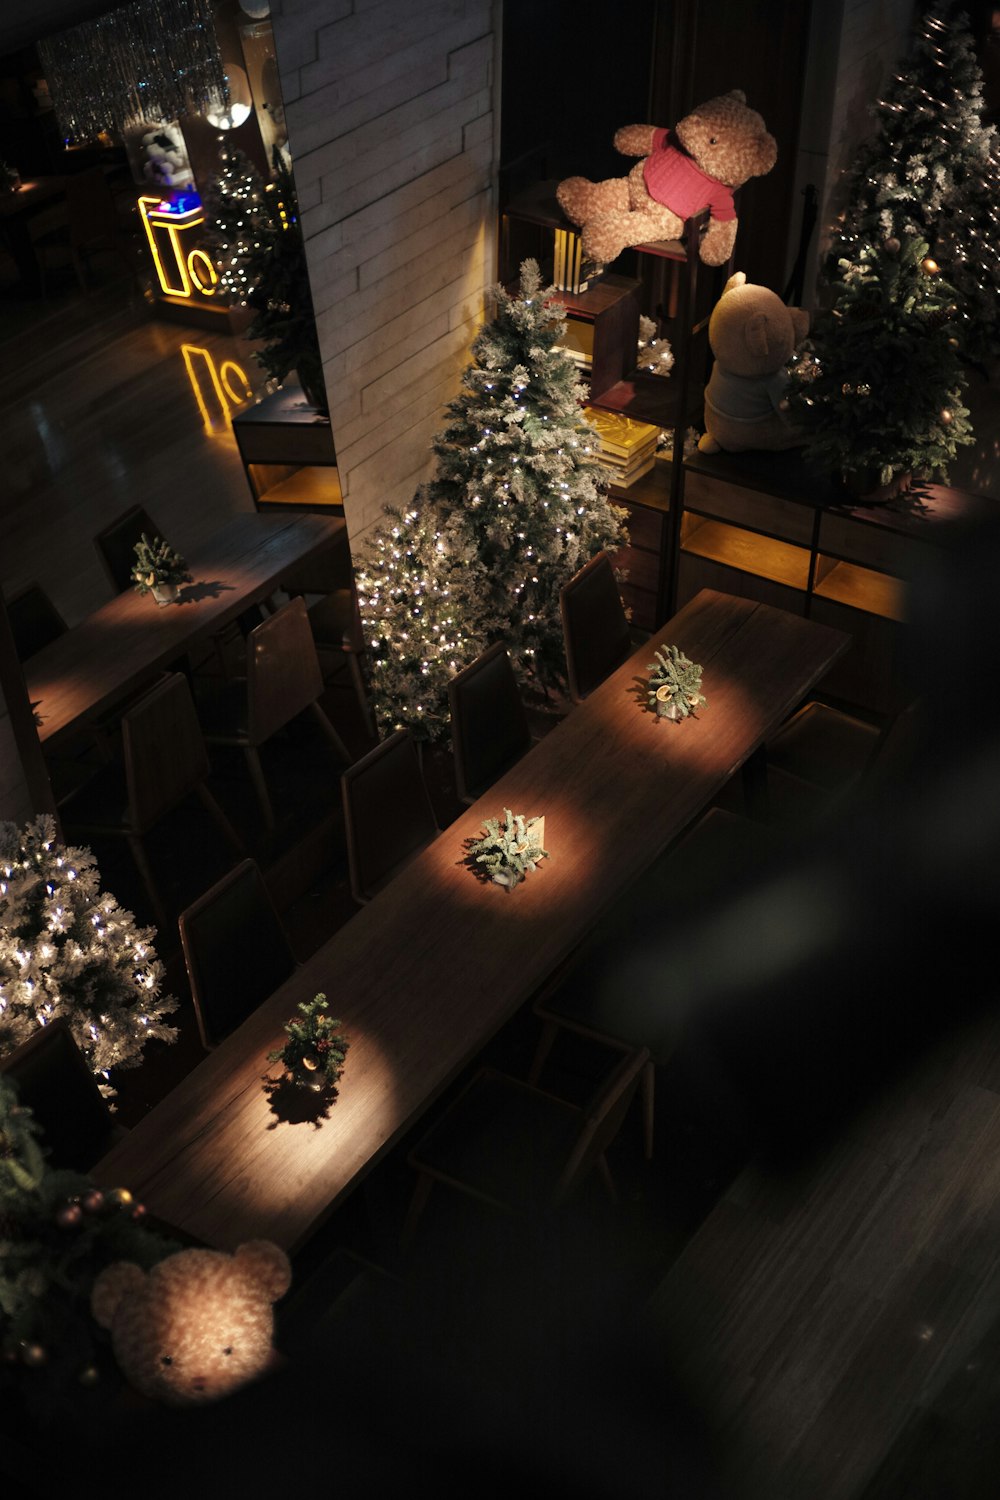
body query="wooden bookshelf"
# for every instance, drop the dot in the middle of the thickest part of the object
(761, 525)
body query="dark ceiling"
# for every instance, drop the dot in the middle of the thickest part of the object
(26, 21)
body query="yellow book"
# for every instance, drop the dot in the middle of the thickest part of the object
(619, 435)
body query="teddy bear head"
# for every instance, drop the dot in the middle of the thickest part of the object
(198, 1325)
(751, 331)
(727, 140)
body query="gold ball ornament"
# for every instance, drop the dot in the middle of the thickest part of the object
(946, 415)
(891, 245)
(120, 1198)
(930, 265)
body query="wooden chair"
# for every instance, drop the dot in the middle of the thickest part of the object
(719, 846)
(596, 632)
(53, 1080)
(821, 756)
(334, 616)
(388, 817)
(489, 727)
(34, 621)
(165, 759)
(517, 1148)
(116, 544)
(283, 678)
(823, 746)
(235, 949)
(336, 626)
(92, 227)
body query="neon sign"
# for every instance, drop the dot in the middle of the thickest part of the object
(184, 269)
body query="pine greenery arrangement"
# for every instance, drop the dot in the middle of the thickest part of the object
(880, 385)
(931, 170)
(68, 949)
(57, 1232)
(315, 1050)
(516, 506)
(258, 241)
(156, 563)
(674, 685)
(507, 853)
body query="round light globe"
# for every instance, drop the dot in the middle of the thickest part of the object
(230, 116)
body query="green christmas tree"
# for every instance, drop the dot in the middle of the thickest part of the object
(879, 383)
(931, 170)
(517, 505)
(57, 1231)
(68, 949)
(238, 214)
(257, 239)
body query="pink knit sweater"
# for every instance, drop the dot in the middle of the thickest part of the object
(677, 182)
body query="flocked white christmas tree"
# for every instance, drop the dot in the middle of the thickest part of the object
(68, 949)
(517, 505)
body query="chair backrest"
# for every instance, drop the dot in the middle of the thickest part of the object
(387, 813)
(54, 1081)
(595, 630)
(91, 208)
(489, 727)
(165, 754)
(235, 949)
(602, 1121)
(34, 621)
(116, 544)
(283, 671)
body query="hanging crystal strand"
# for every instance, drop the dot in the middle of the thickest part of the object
(151, 60)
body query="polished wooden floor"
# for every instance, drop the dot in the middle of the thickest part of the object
(827, 1334)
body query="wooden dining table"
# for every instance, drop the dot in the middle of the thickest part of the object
(94, 666)
(426, 974)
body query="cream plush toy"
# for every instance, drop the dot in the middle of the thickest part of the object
(697, 165)
(753, 336)
(198, 1325)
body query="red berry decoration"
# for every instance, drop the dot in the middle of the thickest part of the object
(69, 1216)
(139, 1211)
(93, 1201)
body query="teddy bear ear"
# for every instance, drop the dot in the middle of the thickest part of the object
(268, 1265)
(115, 1282)
(738, 278)
(755, 334)
(738, 95)
(767, 155)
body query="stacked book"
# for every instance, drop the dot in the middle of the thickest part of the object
(626, 448)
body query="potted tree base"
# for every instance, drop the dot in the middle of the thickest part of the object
(158, 570)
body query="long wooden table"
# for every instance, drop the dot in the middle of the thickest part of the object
(102, 660)
(427, 973)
